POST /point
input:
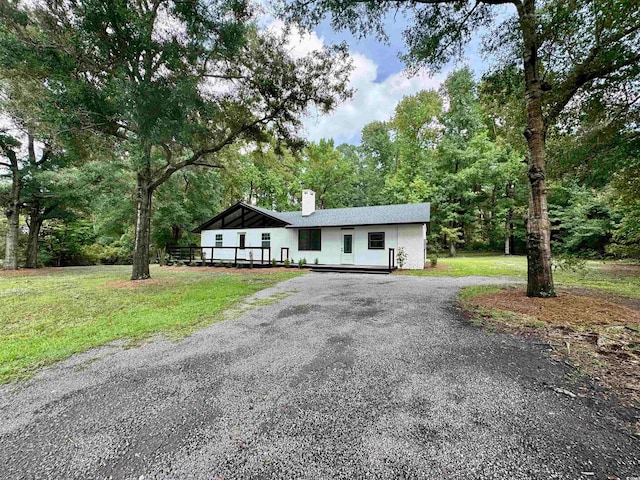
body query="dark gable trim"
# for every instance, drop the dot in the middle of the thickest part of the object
(249, 218)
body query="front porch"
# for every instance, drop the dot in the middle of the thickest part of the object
(260, 257)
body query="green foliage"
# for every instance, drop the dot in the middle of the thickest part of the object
(171, 86)
(582, 221)
(287, 262)
(570, 263)
(433, 260)
(401, 257)
(316, 261)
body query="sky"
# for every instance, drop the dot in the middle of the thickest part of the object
(379, 79)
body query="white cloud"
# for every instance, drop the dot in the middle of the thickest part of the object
(371, 100)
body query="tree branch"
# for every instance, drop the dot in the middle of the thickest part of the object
(582, 74)
(171, 169)
(200, 164)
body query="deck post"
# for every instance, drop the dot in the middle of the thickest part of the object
(235, 259)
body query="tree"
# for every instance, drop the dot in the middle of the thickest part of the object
(22, 168)
(328, 173)
(9, 145)
(174, 82)
(567, 53)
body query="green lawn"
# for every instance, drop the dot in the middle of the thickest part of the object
(607, 276)
(55, 313)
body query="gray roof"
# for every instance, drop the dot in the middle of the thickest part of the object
(339, 217)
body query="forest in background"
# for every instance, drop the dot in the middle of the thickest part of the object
(182, 108)
(460, 148)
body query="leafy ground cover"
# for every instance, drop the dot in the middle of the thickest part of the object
(47, 315)
(593, 324)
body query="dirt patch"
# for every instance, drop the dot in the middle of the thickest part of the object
(29, 272)
(439, 266)
(135, 284)
(231, 270)
(596, 332)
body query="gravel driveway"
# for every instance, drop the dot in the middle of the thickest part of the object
(349, 376)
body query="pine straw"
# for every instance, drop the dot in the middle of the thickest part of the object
(598, 332)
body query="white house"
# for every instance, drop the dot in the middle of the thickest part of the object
(360, 236)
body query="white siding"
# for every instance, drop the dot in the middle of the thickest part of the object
(411, 237)
(253, 238)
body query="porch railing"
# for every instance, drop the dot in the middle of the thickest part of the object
(199, 254)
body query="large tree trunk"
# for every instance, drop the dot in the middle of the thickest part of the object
(35, 224)
(12, 212)
(539, 275)
(143, 227)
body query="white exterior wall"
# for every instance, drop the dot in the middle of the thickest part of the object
(279, 238)
(411, 237)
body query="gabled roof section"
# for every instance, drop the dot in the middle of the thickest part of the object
(350, 217)
(242, 215)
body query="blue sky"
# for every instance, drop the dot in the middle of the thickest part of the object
(379, 79)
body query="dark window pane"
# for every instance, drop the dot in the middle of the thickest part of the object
(348, 244)
(310, 239)
(376, 240)
(242, 237)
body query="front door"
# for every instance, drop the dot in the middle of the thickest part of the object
(346, 257)
(242, 253)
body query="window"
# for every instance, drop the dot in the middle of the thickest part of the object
(218, 239)
(266, 240)
(376, 240)
(310, 239)
(241, 240)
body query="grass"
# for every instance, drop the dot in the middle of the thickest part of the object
(594, 275)
(55, 313)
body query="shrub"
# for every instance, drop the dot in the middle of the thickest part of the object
(304, 261)
(569, 263)
(401, 257)
(316, 262)
(274, 262)
(433, 260)
(300, 263)
(287, 262)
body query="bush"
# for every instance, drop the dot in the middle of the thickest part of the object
(274, 262)
(99, 254)
(569, 264)
(433, 260)
(316, 262)
(287, 262)
(304, 261)
(300, 263)
(401, 257)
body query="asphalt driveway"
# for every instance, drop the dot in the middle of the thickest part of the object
(348, 376)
